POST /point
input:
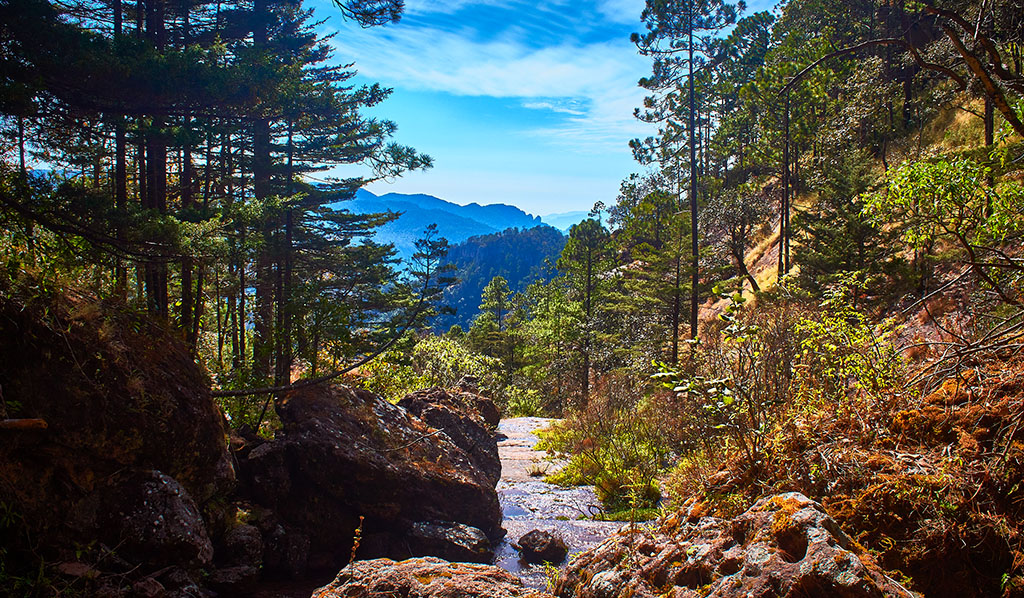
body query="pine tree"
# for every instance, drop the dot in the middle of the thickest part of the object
(679, 34)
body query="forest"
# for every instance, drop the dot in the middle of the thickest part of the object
(813, 282)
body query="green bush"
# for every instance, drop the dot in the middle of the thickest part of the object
(521, 402)
(619, 447)
(845, 359)
(434, 361)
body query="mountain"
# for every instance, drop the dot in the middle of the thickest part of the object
(520, 256)
(565, 220)
(454, 222)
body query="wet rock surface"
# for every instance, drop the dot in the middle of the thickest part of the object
(529, 503)
(345, 453)
(424, 578)
(783, 546)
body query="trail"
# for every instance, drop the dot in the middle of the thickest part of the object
(530, 503)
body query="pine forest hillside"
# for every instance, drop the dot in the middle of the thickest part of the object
(521, 257)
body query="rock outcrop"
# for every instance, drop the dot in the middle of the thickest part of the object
(133, 459)
(783, 546)
(424, 578)
(149, 517)
(468, 419)
(345, 453)
(450, 541)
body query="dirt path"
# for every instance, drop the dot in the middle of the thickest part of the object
(530, 503)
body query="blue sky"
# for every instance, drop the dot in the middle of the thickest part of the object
(524, 103)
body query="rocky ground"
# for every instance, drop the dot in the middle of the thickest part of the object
(783, 546)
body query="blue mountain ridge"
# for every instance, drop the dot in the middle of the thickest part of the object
(565, 220)
(454, 222)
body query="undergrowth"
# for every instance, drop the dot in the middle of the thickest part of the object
(812, 397)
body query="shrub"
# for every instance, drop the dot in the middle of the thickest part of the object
(617, 444)
(845, 360)
(736, 381)
(521, 402)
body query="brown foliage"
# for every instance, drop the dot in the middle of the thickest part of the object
(936, 493)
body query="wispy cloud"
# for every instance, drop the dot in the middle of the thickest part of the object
(622, 11)
(564, 106)
(593, 84)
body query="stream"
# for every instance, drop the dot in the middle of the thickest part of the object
(528, 502)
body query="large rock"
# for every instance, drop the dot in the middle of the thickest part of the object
(784, 546)
(541, 546)
(149, 517)
(345, 453)
(450, 541)
(424, 578)
(127, 410)
(462, 417)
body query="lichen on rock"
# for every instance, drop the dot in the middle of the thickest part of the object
(783, 546)
(424, 578)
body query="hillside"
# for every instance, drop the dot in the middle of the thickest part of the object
(454, 222)
(520, 256)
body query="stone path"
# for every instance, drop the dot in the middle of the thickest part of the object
(530, 503)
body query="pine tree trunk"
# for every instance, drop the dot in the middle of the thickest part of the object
(694, 246)
(263, 341)
(156, 171)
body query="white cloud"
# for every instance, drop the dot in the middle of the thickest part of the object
(594, 84)
(565, 106)
(420, 7)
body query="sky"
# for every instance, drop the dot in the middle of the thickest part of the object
(524, 103)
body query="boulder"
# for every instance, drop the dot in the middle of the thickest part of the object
(539, 546)
(450, 541)
(148, 587)
(285, 552)
(234, 581)
(345, 453)
(241, 545)
(127, 411)
(459, 417)
(149, 516)
(784, 546)
(469, 391)
(424, 578)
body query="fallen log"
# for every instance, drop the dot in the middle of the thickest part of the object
(23, 424)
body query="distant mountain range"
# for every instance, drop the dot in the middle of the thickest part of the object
(565, 220)
(486, 241)
(454, 222)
